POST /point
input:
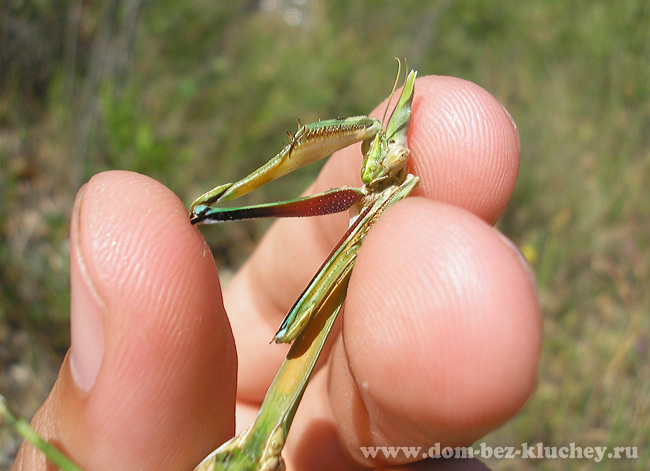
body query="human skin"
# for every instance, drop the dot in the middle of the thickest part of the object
(439, 342)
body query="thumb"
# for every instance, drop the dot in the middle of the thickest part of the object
(149, 381)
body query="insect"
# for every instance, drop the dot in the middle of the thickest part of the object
(308, 323)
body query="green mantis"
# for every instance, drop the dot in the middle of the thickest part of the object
(308, 323)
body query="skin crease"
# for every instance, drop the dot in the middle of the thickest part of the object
(440, 337)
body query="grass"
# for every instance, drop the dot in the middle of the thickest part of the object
(206, 92)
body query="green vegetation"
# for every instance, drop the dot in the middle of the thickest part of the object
(195, 93)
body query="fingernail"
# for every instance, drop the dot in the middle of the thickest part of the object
(512, 122)
(86, 311)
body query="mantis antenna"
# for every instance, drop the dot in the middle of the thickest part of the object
(392, 92)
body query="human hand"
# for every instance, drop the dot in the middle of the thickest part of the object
(441, 331)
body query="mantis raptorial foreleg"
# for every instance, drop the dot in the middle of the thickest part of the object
(311, 143)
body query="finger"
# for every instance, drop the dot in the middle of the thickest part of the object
(149, 381)
(465, 149)
(441, 338)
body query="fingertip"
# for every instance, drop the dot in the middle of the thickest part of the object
(167, 367)
(442, 331)
(464, 146)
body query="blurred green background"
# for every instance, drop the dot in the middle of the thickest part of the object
(198, 93)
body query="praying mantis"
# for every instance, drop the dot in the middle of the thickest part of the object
(308, 323)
